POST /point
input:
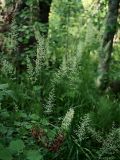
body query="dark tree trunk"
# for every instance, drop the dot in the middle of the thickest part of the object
(44, 8)
(107, 43)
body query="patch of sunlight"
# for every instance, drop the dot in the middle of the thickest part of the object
(2, 3)
(86, 3)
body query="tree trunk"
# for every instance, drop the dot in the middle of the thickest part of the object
(107, 44)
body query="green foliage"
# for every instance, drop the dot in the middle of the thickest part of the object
(34, 155)
(16, 135)
(4, 91)
(16, 146)
(5, 153)
(49, 105)
(64, 28)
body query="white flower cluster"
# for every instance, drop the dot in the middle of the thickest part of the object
(34, 72)
(40, 57)
(67, 119)
(111, 145)
(96, 135)
(50, 103)
(81, 132)
(30, 70)
(7, 69)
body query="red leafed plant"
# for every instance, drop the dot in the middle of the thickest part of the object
(41, 136)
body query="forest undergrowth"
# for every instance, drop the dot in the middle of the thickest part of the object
(50, 107)
(49, 113)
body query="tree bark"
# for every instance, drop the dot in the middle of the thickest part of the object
(107, 44)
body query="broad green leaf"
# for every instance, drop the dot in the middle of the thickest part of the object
(16, 146)
(34, 117)
(34, 155)
(3, 129)
(5, 154)
(5, 114)
(3, 86)
(23, 115)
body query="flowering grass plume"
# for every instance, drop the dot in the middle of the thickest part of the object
(67, 120)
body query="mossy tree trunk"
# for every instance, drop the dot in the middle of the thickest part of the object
(107, 44)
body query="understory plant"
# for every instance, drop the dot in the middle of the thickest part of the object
(50, 107)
